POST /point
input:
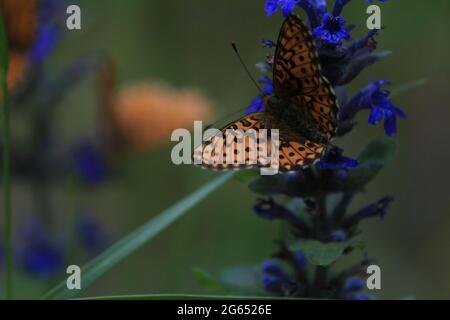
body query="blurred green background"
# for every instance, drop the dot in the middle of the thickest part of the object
(187, 43)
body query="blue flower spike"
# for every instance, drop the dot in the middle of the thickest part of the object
(377, 100)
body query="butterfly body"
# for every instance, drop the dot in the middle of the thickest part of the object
(291, 120)
(303, 108)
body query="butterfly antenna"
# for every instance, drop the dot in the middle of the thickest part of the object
(234, 46)
(223, 118)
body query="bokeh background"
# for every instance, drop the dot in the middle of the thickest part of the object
(187, 44)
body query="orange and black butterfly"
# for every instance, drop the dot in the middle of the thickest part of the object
(303, 108)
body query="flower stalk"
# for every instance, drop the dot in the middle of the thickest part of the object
(7, 212)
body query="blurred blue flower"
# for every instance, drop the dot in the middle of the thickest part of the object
(268, 43)
(268, 85)
(89, 163)
(334, 160)
(91, 233)
(48, 30)
(332, 29)
(377, 100)
(357, 296)
(353, 284)
(256, 105)
(338, 235)
(46, 40)
(39, 254)
(274, 278)
(300, 258)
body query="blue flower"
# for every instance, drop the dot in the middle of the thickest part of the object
(89, 163)
(268, 85)
(353, 284)
(357, 296)
(377, 209)
(287, 6)
(334, 160)
(44, 44)
(91, 234)
(266, 43)
(338, 235)
(39, 254)
(270, 210)
(256, 105)
(332, 29)
(48, 30)
(377, 100)
(300, 258)
(274, 278)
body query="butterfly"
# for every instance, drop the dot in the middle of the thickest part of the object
(303, 107)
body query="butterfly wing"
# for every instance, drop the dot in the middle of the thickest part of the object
(296, 66)
(298, 153)
(224, 150)
(297, 76)
(322, 107)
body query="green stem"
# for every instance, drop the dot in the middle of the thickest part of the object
(7, 194)
(321, 226)
(320, 280)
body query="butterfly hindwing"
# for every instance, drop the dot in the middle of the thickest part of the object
(225, 150)
(295, 154)
(296, 67)
(236, 146)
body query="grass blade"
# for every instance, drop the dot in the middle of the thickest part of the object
(6, 163)
(397, 90)
(123, 248)
(176, 296)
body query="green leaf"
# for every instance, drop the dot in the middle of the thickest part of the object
(6, 168)
(93, 270)
(206, 280)
(320, 253)
(378, 151)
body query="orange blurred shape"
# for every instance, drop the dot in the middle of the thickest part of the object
(18, 65)
(20, 19)
(146, 113)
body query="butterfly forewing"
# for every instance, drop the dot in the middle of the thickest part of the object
(296, 67)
